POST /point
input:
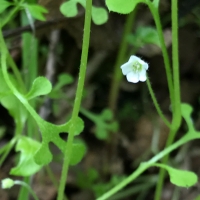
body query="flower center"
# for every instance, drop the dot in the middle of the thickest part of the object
(137, 67)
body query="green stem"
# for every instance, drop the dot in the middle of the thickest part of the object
(24, 193)
(21, 98)
(53, 179)
(16, 72)
(177, 102)
(145, 165)
(6, 150)
(153, 6)
(156, 104)
(77, 103)
(175, 60)
(27, 187)
(117, 76)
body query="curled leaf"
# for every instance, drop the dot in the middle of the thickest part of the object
(26, 165)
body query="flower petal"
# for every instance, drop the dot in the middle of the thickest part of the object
(132, 77)
(142, 75)
(126, 68)
(145, 66)
(133, 59)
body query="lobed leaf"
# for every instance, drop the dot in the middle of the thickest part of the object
(26, 165)
(40, 86)
(69, 9)
(51, 133)
(78, 152)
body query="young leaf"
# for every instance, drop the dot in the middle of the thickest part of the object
(41, 86)
(104, 123)
(107, 114)
(181, 178)
(63, 79)
(99, 15)
(122, 6)
(37, 11)
(69, 9)
(144, 35)
(78, 151)
(26, 165)
(86, 179)
(4, 5)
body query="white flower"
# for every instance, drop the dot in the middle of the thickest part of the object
(135, 69)
(7, 183)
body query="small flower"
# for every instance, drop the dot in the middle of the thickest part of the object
(7, 183)
(135, 69)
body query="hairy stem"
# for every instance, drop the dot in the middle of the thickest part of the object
(77, 103)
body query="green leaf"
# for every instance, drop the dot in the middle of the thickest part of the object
(107, 114)
(144, 35)
(99, 15)
(78, 152)
(63, 79)
(86, 179)
(101, 132)
(37, 11)
(4, 5)
(26, 165)
(69, 9)
(41, 86)
(122, 6)
(10, 102)
(51, 133)
(181, 178)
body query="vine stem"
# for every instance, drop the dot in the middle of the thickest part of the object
(77, 103)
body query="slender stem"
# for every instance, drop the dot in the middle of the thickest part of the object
(53, 179)
(77, 103)
(156, 104)
(117, 76)
(175, 60)
(6, 149)
(153, 6)
(16, 72)
(145, 165)
(28, 188)
(24, 193)
(177, 102)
